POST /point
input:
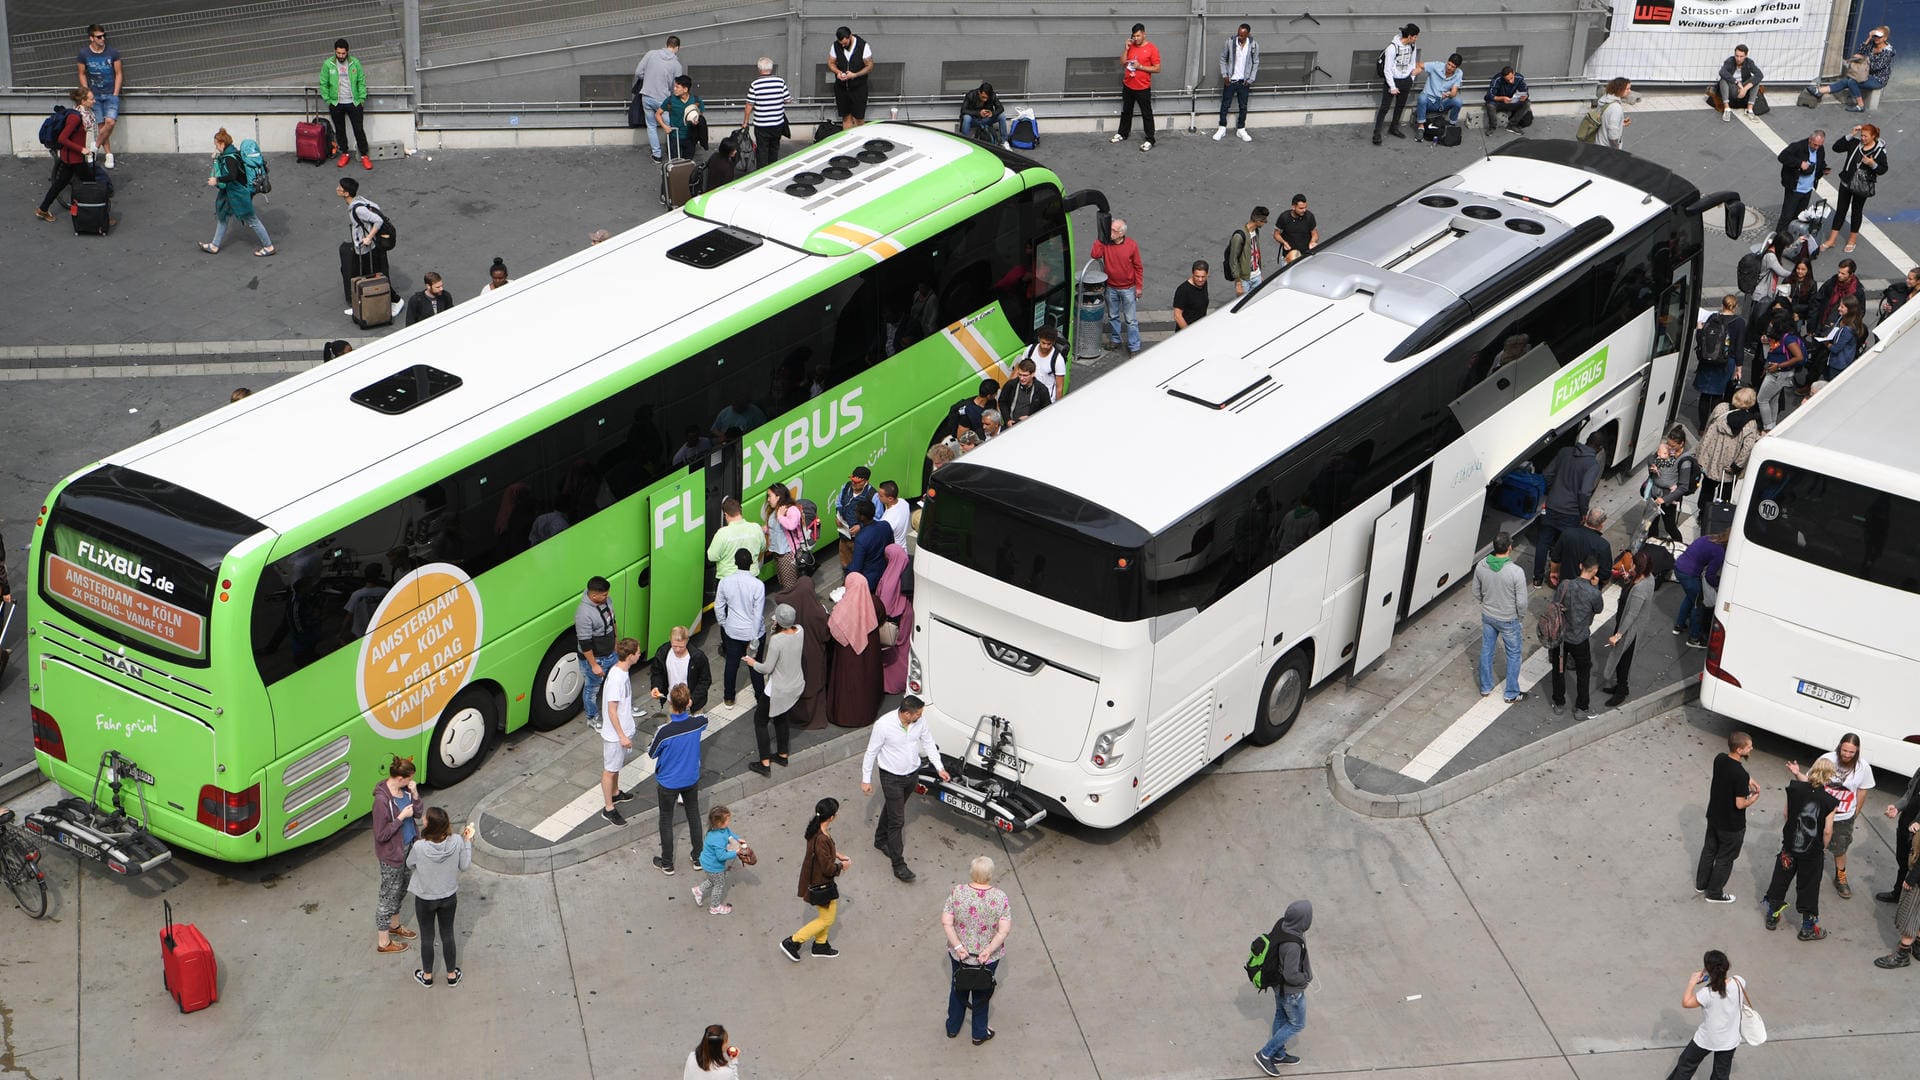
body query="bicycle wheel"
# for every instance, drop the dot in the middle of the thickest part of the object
(23, 877)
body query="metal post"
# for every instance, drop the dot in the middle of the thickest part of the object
(6, 50)
(410, 34)
(798, 74)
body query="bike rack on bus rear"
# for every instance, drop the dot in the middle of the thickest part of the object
(106, 835)
(986, 797)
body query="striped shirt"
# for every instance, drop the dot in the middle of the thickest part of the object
(768, 96)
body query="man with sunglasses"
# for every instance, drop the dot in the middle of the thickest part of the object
(100, 71)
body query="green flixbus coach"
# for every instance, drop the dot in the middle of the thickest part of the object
(383, 555)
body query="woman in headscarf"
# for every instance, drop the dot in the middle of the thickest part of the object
(811, 713)
(853, 689)
(898, 610)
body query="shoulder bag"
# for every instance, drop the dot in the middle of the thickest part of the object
(971, 977)
(1753, 1030)
(1863, 182)
(890, 632)
(823, 893)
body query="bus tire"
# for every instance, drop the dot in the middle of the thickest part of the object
(1280, 699)
(557, 683)
(461, 737)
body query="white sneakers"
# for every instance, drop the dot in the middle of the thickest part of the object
(109, 161)
(1241, 133)
(1219, 133)
(1146, 146)
(1244, 137)
(1116, 137)
(1726, 116)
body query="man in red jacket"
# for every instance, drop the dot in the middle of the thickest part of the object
(1125, 278)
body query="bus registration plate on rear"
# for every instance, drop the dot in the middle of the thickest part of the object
(966, 806)
(1821, 693)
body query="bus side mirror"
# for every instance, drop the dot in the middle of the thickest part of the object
(1736, 218)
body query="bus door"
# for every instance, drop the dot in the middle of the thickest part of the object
(676, 519)
(1672, 318)
(1387, 570)
(721, 479)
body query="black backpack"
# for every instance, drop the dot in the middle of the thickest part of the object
(1714, 342)
(1747, 274)
(1263, 957)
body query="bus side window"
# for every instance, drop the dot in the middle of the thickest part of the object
(322, 594)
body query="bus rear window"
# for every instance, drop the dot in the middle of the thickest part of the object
(1843, 526)
(136, 559)
(1052, 558)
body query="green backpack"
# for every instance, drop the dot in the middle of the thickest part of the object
(1263, 957)
(1590, 126)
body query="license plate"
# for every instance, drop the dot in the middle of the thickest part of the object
(1821, 693)
(1001, 757)
(964, 805)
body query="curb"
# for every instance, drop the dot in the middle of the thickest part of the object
(1505, 767)
(18, 782)
(730, 789)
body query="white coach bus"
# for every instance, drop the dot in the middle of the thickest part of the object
(1118, 591)
(1814, 627)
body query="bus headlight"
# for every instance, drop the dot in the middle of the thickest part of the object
(1104, 754)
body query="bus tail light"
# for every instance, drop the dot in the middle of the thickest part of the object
(232, 812)
(1104, 754)
(46, 735)
(1716, 641)
(916, 683)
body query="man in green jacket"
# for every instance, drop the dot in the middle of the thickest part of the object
(343, 86)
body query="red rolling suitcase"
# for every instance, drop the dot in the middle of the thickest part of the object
(188, 970)
(313, 137)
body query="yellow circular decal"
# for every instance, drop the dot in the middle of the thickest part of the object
(419, 650)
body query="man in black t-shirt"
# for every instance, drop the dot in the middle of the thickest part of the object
(1190, 299)
(964, 415)
(1727, 801)
(1296, 232)
(1803, 843)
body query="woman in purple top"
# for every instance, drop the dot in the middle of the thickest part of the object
(1696, 568)
(976, 918)
(396, 808)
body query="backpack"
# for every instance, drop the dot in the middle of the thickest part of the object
(1226, 258)
(1690, 473)
(51, 127)
(804, 559)
(1025, 132)
(1552, 626)
(1263, 957)
(387, 236)
(256, 166)
(1712, 345)
(1747, 274)
(1590, 125)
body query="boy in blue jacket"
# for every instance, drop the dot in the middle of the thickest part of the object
(675, 751)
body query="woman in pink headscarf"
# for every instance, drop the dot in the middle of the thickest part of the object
(898, 610)
(853, 688)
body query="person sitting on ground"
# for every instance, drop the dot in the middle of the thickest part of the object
(1507, 95)
(982, 110)
(1739, 83)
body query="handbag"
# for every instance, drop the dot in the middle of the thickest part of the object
(804, 560)
(972, 978)
(1753, 1030)
(823, 893)
(1863, 181)
(890, 633)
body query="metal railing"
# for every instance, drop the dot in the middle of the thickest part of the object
(446, 24)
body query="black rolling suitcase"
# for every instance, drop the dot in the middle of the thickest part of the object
(91, 208)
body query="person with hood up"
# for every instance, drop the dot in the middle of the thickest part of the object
(435, 862)
(1290, 998)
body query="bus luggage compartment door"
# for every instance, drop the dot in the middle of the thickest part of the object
(1386, 571)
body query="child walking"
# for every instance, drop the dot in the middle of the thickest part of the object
(436, 862)
(722, 847)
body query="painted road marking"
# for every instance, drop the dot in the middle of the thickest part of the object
(638, 771)
(1461, 733)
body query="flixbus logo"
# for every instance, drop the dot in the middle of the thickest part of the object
(1579, 379)
(785, 448)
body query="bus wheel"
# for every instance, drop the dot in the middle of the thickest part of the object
(460, 740)
(1280, 701)
(556, 687)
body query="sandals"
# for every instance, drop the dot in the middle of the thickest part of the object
(422, 977)
(209, 249)
(263, 253)
(1848, 248)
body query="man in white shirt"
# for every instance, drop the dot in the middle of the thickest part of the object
(895, 511)
(616, 726)
(1397, 63)
(739, 604)
(897, 744)
(1049, 360)
(1239, 66)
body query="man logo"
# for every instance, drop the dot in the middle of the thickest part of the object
(1024, 663)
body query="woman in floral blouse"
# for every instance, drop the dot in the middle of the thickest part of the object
(976, 918)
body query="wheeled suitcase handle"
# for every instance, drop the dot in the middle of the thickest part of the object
(167, 935)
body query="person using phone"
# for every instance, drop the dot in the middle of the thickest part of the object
(435, 864)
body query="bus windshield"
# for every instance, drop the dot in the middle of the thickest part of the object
(1836, 524)
(1078, 554)
(137, 559)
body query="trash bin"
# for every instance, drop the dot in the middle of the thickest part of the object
(1093, 312)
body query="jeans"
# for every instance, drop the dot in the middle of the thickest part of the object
(1123, 306)
(1691, 1056)
(731, 650)
(1289, 1019)
(1129, 97)
(1722, 846)
(1451, 106)
(344, 113)
(1232, 93)
(259, 230)
(1551, 524)
(994, 126)
(649, 106)
(1580, 655)
(690, 797)
(959, 1001)
(1857, 89)
(1771, 387)
(890, 835)
(432, 912)
(1508, 632)
(1693, 614)
(1731, 99)
(590, 695)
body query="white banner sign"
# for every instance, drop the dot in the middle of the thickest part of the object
(1686, 15)
(1666, 41)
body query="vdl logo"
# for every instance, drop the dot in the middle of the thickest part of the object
(1579, 379)
(1002, 653)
